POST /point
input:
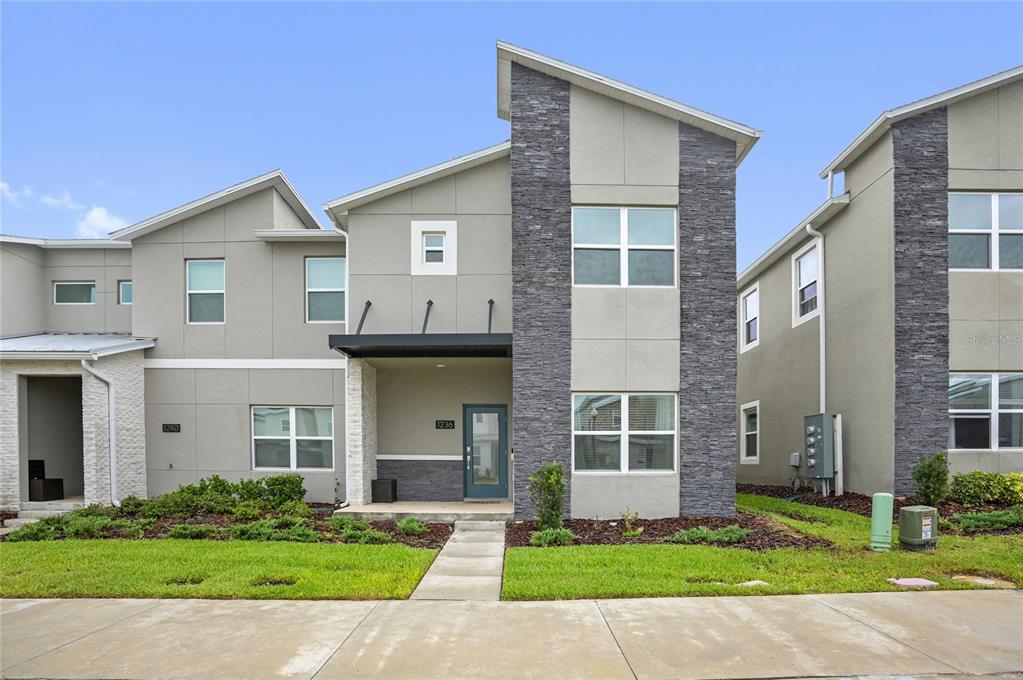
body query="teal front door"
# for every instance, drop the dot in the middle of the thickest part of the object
(485, 432)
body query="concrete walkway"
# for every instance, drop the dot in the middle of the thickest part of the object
(877, 634)
(469, 566)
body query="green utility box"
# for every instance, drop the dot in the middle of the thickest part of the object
(918, 527)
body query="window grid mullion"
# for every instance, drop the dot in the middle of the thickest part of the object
(623, 246)
(624, 445)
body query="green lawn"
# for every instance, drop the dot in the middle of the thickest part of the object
(210, 569)
(672, 570)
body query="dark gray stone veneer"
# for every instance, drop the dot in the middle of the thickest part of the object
(424, 480)
(920, 154)
(706, 210)
(541, 277)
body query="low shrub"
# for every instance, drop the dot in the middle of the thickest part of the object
(276, 529)
(248, 511)
(296, 509)
(411, 526)
(342, 523)
(43, 530)
(101, 526)
(92, 510)
(194, 531)
(629, 518)
(132, 505)
(550, 537)
(365, 536)
(546, 489)
(730, 534)
(281, 489)
(979, 487)
(251, 489)
(990, 521)
(930, 475)
(216, 495)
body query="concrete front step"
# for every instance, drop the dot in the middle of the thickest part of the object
(39, 514)
(479, 525)
(64, 506)
(18, 522)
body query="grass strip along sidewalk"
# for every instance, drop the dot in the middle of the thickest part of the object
(598, 571)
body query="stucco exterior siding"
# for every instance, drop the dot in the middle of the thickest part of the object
(23, 288)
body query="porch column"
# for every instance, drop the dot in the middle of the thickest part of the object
(361, 430)
(10, 480)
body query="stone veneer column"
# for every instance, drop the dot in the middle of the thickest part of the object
(541, 277)
(706, 210)
(920, 155)
(361, 430)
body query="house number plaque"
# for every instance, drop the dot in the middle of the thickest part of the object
(445, 424)
(172, 427)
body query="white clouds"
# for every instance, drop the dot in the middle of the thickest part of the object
(12, 195)
(62, 201)
(98, 222)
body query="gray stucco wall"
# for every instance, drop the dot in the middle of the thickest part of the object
(23, 286)
(541, 270)
(920, 153)
(104, 266)
(708, 350)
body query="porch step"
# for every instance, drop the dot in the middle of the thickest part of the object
(39, 514)
(431, 511)
(18, 522)
(479, 525)
(63, 506)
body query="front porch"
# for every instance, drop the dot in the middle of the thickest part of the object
(428, 511)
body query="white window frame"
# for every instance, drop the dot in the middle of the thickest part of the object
(449, 230)
(189, 292)
(796, 257)
(993, 234)
(753, 289)
(743, 458)
(343, 288)
(623, 247)
(623, 432)
(120, 292)
(292, 439)
(992, 412)
(442, 248)
(95, 292)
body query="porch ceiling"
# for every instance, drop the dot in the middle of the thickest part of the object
(360, 345)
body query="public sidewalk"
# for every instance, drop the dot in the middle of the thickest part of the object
(894, 634)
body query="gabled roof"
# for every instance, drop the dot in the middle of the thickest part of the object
(275, 179)
(743, 136)
(883, 122)
(70, 345)
(52, 243)
(338, 208)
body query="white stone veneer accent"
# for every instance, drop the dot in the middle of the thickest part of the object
(361, 430)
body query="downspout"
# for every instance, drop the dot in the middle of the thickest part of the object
(111, 428)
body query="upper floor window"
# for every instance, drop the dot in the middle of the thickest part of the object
(325, 289)
(749, 316)
(985, 231)
(749, 432)
(624, 246)
(125, 292)
(804, 284)
(434, 247)
(74, 292)
(292, 437)
(985, 411)
(624, 432)
(205, 291)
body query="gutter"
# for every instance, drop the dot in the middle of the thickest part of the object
(111, 428)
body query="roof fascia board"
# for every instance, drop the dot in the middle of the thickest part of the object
(54, 243)
(744, 136)
(299, 235)
(883, 122)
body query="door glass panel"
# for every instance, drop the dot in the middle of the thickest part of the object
(486, 444)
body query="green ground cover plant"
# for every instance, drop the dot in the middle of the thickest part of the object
(730, 534)
(411, 526)
(550, 537)
(994, 520)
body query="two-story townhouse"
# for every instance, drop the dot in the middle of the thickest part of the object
(907, 290)
(556, 297)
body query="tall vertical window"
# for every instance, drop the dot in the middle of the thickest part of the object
(985, 411)
(749, 432)
(325, 289)
(74, 292)
(749, 317)
(624, 246)
(292, 437)
(433, 247)
(205, 283)
(985, 231)
(125, 292)
(624, 432)
(804, 284)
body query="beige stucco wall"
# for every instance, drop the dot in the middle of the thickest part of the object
(22, 289)
(380, 236)
(213, 408)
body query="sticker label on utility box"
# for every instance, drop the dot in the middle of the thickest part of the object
(925, 526)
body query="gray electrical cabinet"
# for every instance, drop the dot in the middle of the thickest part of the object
(818, 446)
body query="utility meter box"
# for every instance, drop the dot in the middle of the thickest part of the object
(819, 446)
(918, 527)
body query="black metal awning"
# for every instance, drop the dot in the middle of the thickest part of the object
(362, 345)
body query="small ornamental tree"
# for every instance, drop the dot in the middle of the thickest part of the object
(930, 474)
(547, 492)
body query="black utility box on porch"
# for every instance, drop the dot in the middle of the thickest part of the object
(45, 489)
(385, 490)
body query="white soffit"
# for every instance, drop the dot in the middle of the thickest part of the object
(56, 243)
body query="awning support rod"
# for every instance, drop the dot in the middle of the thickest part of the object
(490, 315)
(426, 319)
(362, 319)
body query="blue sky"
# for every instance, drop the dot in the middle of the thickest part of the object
(114, 112)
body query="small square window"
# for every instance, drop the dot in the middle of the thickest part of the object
(434, 247)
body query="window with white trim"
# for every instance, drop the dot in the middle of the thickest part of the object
(125, 292)
(749, 433)
(804, 284)
(204, 281)
(985, 231)
(434, 247)
(629, 433)
(985, 411)
(292, 437)
(74, 292)
(624, 246)
(325, 289)
(749, 317)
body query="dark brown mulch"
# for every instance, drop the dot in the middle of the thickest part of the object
(765, 534)
(6, 515)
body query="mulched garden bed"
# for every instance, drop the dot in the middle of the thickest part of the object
(765, 534)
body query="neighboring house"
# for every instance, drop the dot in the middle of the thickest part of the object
(553, 298)
(916, 285)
